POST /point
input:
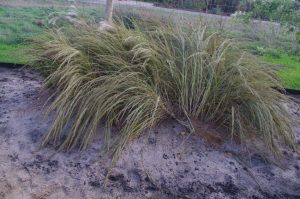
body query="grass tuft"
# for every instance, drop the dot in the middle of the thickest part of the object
(135, 78)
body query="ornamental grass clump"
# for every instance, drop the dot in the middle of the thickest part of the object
(134, 78)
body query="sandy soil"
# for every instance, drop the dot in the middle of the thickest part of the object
(157, 165)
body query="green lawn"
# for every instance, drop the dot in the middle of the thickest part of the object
(19, 24)
(13, 53)
(290, 69)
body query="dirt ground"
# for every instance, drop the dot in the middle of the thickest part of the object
(163, 163)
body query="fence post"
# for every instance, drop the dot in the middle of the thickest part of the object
(109, 11)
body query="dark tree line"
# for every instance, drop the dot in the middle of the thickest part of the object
(213, 6)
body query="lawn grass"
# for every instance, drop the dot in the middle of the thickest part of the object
(289, 71)
(288, 64)
(13, 53)
(17, 25)
(20, 24)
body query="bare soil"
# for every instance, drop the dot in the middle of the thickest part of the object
(165, 162)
